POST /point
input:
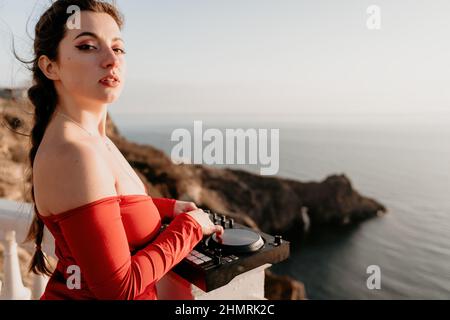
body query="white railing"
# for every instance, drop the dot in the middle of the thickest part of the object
(15, 219)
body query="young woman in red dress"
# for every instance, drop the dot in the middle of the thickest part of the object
(106, 227)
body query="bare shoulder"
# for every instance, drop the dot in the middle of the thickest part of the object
(70, 175)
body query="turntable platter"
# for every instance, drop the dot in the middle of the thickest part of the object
(237, 241)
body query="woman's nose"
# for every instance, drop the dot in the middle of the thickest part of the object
(110, 59)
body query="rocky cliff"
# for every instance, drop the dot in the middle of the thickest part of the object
(271, 204)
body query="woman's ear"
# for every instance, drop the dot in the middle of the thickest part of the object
(48, 67)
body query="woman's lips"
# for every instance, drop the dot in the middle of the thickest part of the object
(110, 81)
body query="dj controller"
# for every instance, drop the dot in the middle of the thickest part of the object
(215, 261)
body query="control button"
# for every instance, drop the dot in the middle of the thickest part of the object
(227, 259)
(198, 261)
(231, 223)
(233, 257)
(206, 259)
(278, 240)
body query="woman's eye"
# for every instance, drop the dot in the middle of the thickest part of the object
(85, 47)
(119, 50)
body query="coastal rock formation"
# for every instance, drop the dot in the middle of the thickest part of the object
(271, 204)
(15, 125)
(278, 287)
(285, 206)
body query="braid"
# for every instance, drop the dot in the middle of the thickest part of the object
(44, 98)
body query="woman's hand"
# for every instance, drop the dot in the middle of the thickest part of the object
(183, 206)
(208, 227)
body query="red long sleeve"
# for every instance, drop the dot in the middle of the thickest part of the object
(97, 241)
(165, 207)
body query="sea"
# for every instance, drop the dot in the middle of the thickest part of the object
(405, 165)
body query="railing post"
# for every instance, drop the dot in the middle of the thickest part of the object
(12, 288)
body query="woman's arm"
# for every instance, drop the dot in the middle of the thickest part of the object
(165, 207)
(170, 208)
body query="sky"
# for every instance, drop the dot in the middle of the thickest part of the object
(285, 58)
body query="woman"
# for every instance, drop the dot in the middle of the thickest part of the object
(106, 227)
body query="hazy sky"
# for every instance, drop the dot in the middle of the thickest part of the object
(276, 57)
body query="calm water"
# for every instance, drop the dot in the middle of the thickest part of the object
(405, 167)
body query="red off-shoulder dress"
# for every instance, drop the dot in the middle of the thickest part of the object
(116, 244)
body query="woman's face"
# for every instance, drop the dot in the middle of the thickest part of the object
(88, 56)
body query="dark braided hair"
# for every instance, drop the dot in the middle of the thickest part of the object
(49, 31)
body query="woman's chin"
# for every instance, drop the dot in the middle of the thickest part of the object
(109, 96)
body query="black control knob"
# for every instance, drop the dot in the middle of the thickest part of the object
(231, 223)
(218, 256)
(223, 223)
(278, 240)
(216, 219)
